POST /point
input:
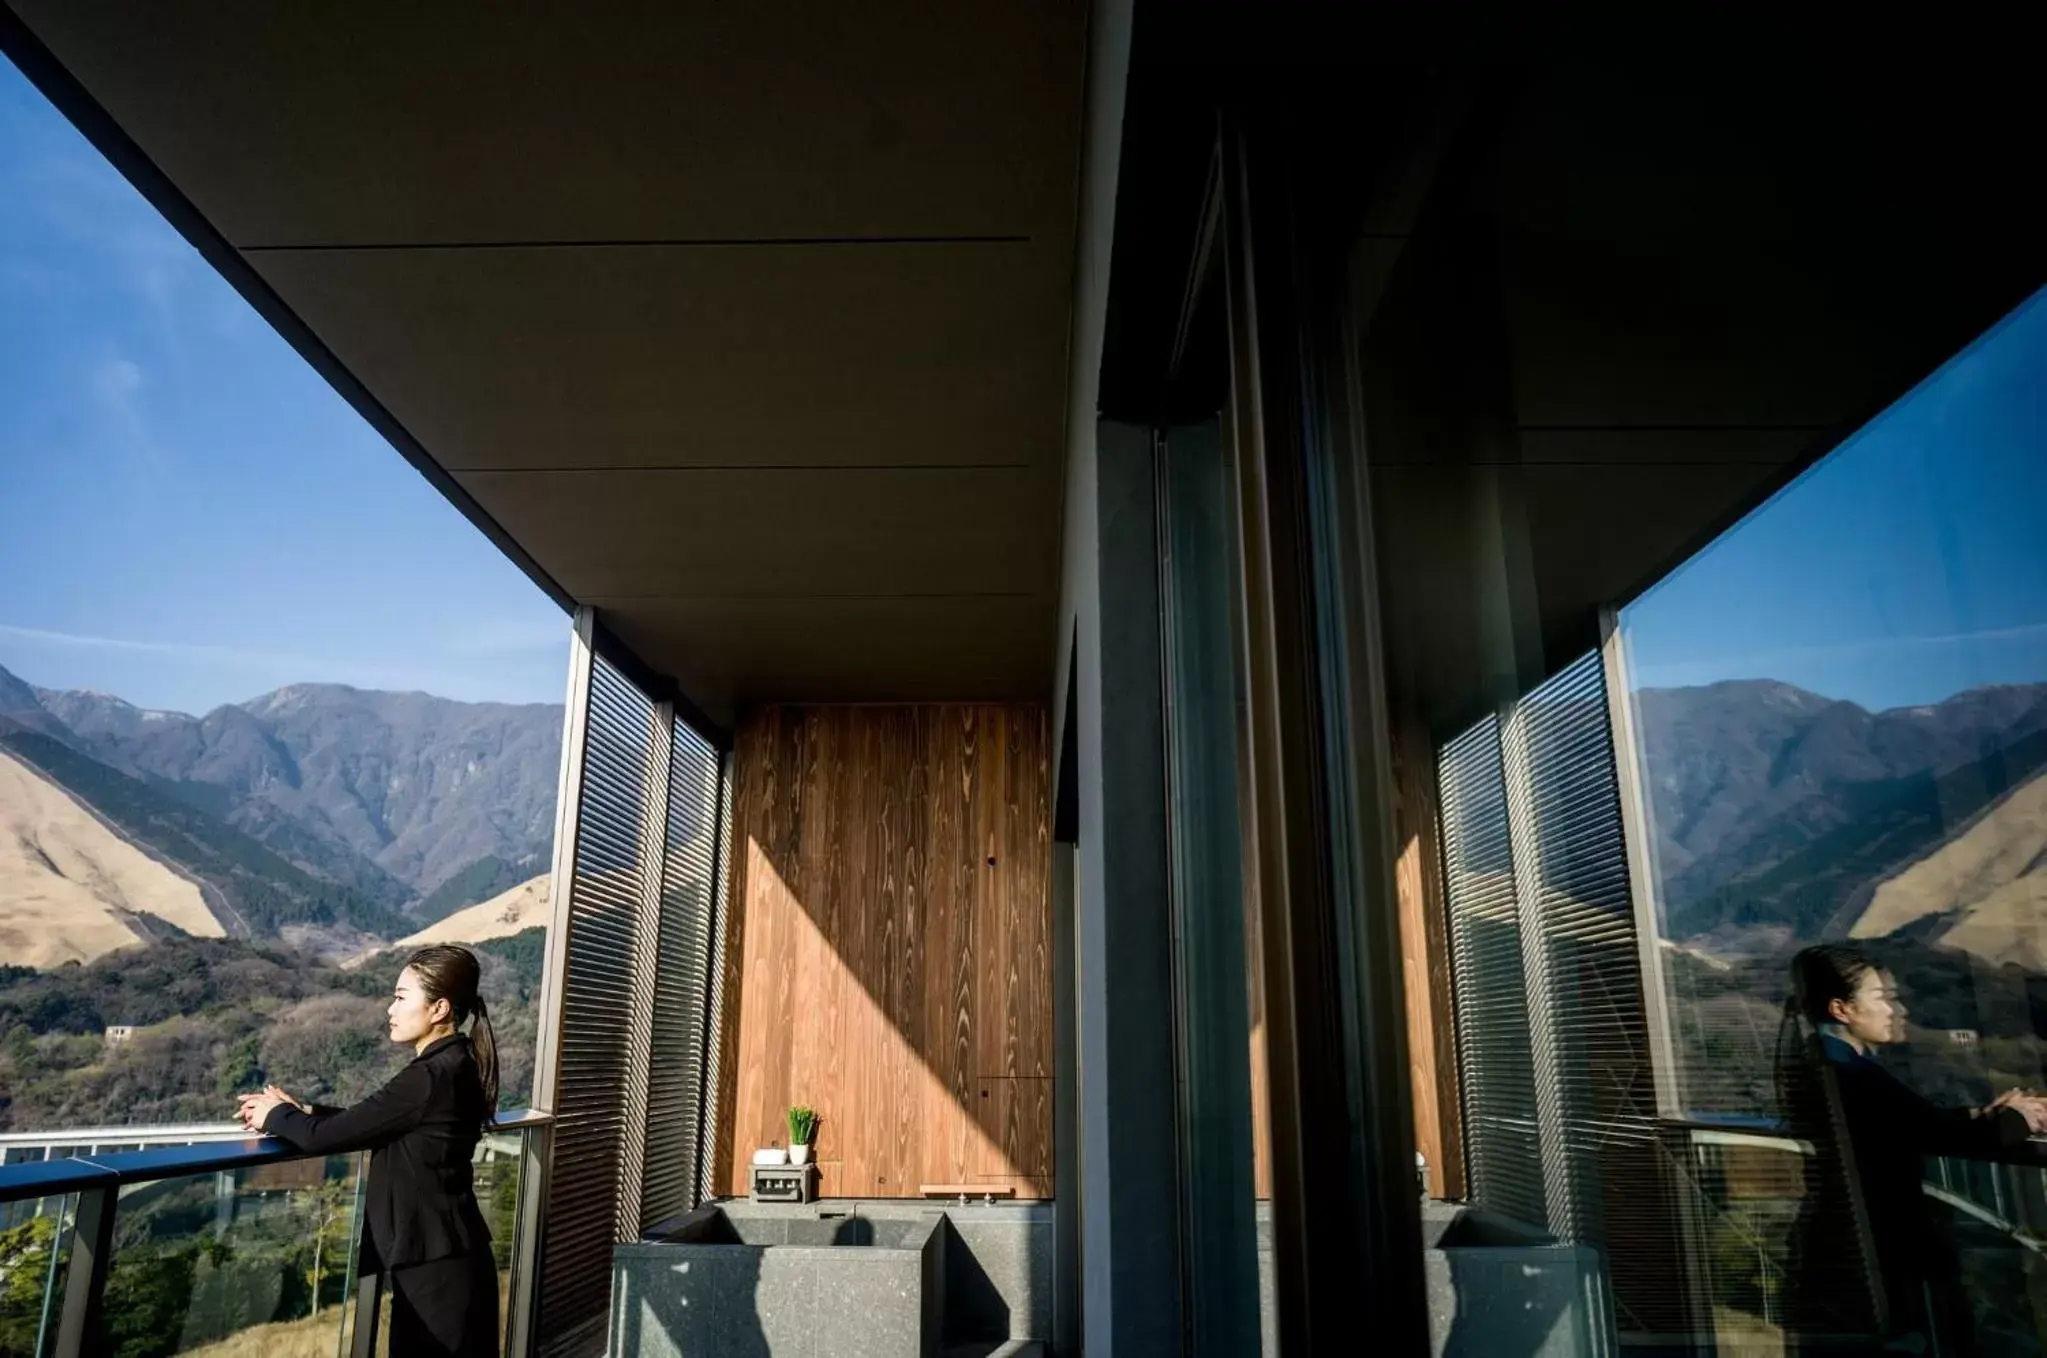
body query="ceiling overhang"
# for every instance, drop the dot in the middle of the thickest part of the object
(748, 328)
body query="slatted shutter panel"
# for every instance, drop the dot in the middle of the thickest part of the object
(1607, 1177)
(1502, 1148)
(681, 1001)
(608, 889)
(636, 939)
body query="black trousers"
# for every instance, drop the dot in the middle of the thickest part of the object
(446, 1307)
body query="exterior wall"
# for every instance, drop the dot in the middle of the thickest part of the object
(890, 957)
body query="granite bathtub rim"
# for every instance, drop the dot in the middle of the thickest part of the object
(917, 1235)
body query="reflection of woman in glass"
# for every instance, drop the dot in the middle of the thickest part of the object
(422, 1225)
(1842, 1006)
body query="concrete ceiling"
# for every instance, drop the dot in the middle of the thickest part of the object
(745, 324)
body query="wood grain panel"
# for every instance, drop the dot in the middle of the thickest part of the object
(892, 930)
(1425, 964)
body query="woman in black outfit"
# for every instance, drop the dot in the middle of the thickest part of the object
(423, 1228)
(1843, 1005)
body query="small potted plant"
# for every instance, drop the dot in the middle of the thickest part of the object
(802, 1131)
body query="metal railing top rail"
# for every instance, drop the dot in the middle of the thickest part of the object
(1773, 1133)
(164, 1134)
(54, 1178)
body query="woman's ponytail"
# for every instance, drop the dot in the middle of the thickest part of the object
(484, 1043)
(449, 973)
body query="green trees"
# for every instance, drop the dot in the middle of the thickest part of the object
(25, 1268)
(200, 1259)
(214, 1017)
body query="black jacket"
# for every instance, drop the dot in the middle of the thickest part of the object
(1890, 1131)
(421, 1131)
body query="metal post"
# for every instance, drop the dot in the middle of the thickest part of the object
(1345, 1213)
(369, 1293)
(50, 1274)
(535, 1168)
(568, 806)
(714, 988)
(355, 1238)
(1636, 834)
(85, 1281)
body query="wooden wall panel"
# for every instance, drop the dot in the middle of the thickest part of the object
(889, 961)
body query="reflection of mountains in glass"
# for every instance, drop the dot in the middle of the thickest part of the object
(1781, 816)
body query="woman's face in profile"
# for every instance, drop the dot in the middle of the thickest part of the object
(1875, 1016)
(412, 1014)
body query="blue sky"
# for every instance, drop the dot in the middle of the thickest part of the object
(1908, 565)
(188, 515)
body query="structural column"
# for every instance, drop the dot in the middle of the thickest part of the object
(1123, 996)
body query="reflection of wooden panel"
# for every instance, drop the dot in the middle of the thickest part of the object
(1261, 1117)
(1425, 966)
(1254, 986)
(891, 890)
(289, 1174)
(1765, 1172)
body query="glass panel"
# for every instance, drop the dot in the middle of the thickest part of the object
(500, 1157)
(1839, 721)
(35, 1247)
(242, 786)
(249, 1261)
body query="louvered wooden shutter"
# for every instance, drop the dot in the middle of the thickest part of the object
(641, 899)
(682, 989)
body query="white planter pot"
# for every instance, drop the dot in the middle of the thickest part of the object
(799, 1155)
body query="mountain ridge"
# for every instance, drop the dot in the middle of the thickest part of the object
(1773, 805)
(390, 793)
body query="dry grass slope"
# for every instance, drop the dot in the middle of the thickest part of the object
(312, 1337)
(66, 879)
(320, 1336)
(1993, 875)
(523, 907)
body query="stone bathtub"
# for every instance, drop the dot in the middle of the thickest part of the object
(753, 1286)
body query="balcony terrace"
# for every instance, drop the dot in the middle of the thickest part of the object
(1104, 560)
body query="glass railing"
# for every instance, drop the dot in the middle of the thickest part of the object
(231, 1249)
(1746, 1202)
(34, 1247)
(1998, 1230)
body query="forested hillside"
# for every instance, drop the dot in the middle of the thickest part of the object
(217, 1016)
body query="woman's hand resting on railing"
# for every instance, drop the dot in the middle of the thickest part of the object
(256, 1108)
(2033, 1107)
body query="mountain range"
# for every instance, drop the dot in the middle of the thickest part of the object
(315, 807)
(1782, 816)
(336, 817)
